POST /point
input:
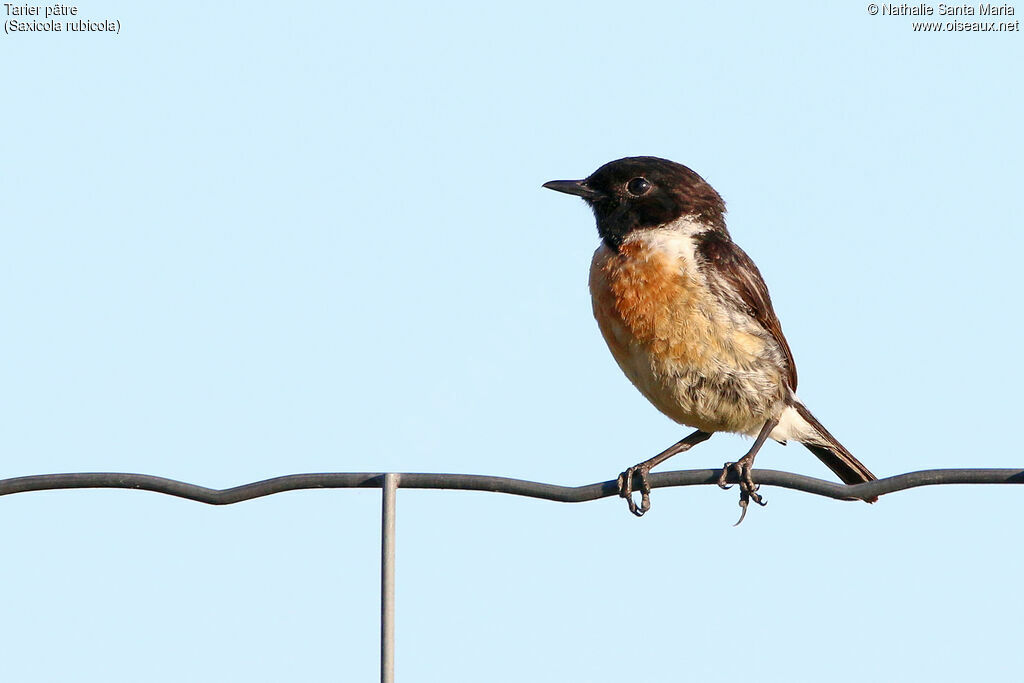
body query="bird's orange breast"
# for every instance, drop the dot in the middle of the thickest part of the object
(675, 341)
(644, 296)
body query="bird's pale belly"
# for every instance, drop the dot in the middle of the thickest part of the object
(695, 362)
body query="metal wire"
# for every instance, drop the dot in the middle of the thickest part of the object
(475, 482)
(390, 482)
(387, 578)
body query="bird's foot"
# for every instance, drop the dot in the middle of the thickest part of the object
(748, 489)
(626, 489)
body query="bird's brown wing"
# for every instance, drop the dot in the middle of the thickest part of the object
(736, 280)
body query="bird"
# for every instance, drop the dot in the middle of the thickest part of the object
(688, 318)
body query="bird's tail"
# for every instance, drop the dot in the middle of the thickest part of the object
(834, 454)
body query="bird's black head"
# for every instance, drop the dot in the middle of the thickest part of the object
(644, 192)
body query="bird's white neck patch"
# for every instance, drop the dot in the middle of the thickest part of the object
(674, 239)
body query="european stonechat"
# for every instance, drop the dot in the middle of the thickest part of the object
(688, 318)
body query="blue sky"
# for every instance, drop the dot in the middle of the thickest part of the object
(245, 241)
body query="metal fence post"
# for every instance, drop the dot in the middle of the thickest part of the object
(387, 578)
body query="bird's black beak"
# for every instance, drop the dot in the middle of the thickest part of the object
(576, 187)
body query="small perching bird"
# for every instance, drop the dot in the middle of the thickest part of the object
(688, 318)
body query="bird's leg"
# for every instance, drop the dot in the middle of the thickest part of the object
(743, 467)
(644, 468)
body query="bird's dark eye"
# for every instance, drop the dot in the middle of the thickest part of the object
(638, 186)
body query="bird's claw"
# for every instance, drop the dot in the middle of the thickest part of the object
(745, 498)
(748, 489)
(626, 489)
